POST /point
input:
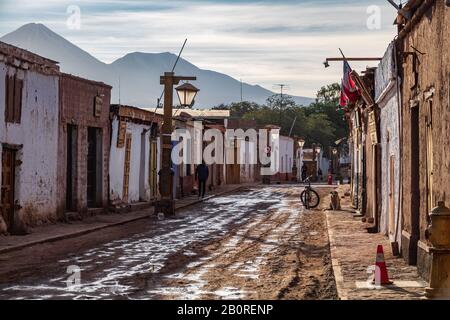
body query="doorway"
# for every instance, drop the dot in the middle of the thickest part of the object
(71, 167)
(153, 168)
(415, 188)
(391, 196)
(94, 168)
(7, 188)
(126, 169)
(142, 167)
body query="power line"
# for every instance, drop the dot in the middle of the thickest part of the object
(282, 86)
(162, 93)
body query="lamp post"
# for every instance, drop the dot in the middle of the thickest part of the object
(318, 149)
(301, 144)
(298, 161)
(335, 151)
(186, 94)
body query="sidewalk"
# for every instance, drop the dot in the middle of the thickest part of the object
(353, 251)
(60, 231)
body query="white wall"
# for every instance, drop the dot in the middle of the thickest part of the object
(387, 99)
(325, 166)
(138, 189)
(286, 157)
(38, 133)
(248, 158)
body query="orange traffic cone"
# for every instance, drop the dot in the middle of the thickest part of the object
(380, 276)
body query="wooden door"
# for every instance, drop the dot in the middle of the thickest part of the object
(391, 196)
(92, 168)
(153, 169)
(8, 181)
(71, 167)
(126, 171)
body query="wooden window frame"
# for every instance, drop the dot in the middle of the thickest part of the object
(13, 99)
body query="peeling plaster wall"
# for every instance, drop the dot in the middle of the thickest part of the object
(139, 187)
(35, 188)
(430, 36)
(387, 98)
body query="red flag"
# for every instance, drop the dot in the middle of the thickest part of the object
(349, 90)
(343, 98)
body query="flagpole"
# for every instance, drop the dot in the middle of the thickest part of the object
(345, 59)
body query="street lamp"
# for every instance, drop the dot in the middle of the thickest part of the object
(317, 150)
(186, 94)
(335, 160)
(301, 143)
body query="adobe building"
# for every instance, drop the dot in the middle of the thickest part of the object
(84, 146)
(29, 104)
(387, 95)
(135, 156)
(424, 66)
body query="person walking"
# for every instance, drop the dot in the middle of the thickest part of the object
(201, 175)
(304, 172)
(320, 174)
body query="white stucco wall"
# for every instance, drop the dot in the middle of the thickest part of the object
(286, 156)
(387, 99)
(325, 166)
(248, 158)
(139, 186)
(36, 177)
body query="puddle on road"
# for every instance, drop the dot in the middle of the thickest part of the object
(191, 283)
(109, 271)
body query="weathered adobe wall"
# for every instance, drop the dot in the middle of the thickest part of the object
(387, 99)
(369, 177)
(77, 107)
(430, 36)
(138, 188)
(36, 187)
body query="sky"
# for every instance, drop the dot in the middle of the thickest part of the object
(261, 42)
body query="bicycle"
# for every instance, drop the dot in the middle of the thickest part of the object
(309, 197)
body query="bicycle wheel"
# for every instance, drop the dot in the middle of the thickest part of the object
(304, 197)
(314, 199)
(310, 199)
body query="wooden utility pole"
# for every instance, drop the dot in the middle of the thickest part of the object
(166, 204)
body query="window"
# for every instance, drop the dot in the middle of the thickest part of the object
(13, 103)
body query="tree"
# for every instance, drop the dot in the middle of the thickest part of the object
(239, 109)
(317, 123)
(281, 103)
(329, 94)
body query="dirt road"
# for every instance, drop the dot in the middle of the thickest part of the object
(257, 244)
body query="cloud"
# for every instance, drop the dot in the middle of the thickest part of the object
(262, 42)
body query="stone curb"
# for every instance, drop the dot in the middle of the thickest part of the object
(110, 225)
(338, 278)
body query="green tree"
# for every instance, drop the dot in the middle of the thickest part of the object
(319, 122)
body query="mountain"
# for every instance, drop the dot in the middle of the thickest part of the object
(138, 72)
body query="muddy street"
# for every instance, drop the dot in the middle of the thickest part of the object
(259, 243)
